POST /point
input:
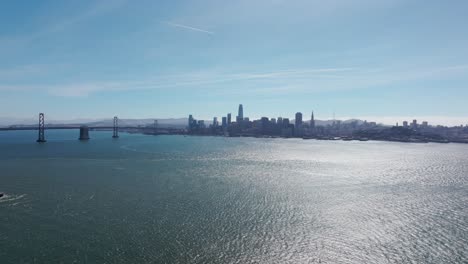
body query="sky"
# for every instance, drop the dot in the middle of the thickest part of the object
(380, 60)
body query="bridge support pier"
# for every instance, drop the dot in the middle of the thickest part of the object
(84, 133)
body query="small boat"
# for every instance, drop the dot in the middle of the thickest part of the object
(1, 194)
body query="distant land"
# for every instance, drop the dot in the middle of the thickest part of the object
(162, 123)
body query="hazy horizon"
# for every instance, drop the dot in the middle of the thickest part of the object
(434, 120)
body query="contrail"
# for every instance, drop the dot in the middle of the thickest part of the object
(191, 28)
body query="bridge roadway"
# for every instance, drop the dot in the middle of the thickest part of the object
(67, 127)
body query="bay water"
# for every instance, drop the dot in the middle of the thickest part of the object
(190, 199)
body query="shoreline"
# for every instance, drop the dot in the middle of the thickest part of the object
(178, 132)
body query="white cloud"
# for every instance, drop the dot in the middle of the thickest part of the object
(298, 81)
(190, 28)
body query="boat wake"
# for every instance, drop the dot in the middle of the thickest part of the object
(12, 199)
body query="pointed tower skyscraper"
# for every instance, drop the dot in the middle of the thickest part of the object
(312, 121)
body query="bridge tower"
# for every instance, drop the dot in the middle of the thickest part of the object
(41, 136)
(116, 127)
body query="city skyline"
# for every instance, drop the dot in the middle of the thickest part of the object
(387, 62)
(352, 130)
(389, 121)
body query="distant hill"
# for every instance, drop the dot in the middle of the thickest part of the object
(167, 122)
(329, 122)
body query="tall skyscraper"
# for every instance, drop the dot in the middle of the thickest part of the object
(215, 121)
(298, 120)
(240, 114)
(229, 119)
(312, 121)
(298, 130)
(190, 120)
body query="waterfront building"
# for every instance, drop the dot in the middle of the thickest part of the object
(287, 131)
(229, 119)
(264, 124)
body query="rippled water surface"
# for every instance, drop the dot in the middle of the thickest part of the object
(175, 199)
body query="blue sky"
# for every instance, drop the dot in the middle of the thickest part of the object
(382, 60)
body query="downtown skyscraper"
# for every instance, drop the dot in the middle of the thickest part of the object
(240, 114)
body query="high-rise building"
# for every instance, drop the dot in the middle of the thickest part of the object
(279, 120)
(215, 121)
(425, 124)
(298, 124)
(273, 121)
(201, 123)
(240, 114)
(414, 124)
(298, 121)
(190, 121)
(312, 121)
(405, 123)
(229, 119)
(224, 122)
